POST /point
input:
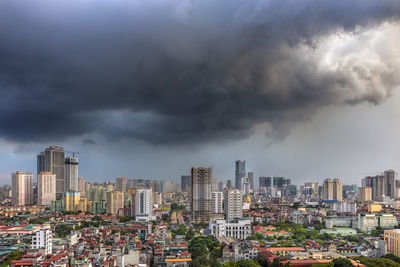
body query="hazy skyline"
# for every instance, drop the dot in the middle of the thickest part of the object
(305, 89)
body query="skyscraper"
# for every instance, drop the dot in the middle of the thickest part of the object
(245, 187)
(233, 204)
(55, 163)
(120, 184)
(114, 202)
(390, 183)
(82, 186)
(278, 182)
(217, 202)
(250, 175)
(201, 194)
(265, 181)
(71, 200)
(186, 183)
(71, 174)
(22, 188)
(240, 172)
(332, 190)
(214, 184)
(41, 163)
(143, 204)
(229, 183)
(382, 184)
(365, 194)
(46, 188)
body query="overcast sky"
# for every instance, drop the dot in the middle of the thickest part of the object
(306, 89)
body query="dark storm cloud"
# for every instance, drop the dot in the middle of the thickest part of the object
(179, 71)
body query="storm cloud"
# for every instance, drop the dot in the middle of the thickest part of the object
(188, 71)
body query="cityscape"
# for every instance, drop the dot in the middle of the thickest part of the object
(55, 217)
(199, 133)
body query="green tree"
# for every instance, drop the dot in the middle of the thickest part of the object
(342, 262)
(189, 234)
(276, 263)
(63, 230)
(14, 255)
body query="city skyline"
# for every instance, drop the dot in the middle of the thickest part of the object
(179, 84)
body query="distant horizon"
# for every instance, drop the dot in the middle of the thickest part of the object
(303, 89)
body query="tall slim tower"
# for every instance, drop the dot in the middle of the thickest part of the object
(240, 172)
(55, 163)
(22, 188)
(71, 174)
(41, 163)
(120, 184)
(201, 194)
(186, 183)
(233, 204)
(46, 188)
(143, 204)
(250, 175)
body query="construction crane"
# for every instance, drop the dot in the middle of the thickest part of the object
(73, 153)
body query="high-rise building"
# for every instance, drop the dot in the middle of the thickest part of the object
(250, 175)
(114, 202)
(382, 185)
(265, 181)
(365, 194)
(332, 190)
(392, 238)
(245, 187)
(229, 183)
(201, 194)
(221, 186)
(233, 204)
(41, 163)
(46, 188)
(83, 186)
(217, 199)
(42, 240)
(214, 184)
(143, 204)
(71, 174)
(120, 184)
(71, 201)
(22, 188)
(55, 163)
(186, 183)
(278, 182)
(240, 172)
(390, 183)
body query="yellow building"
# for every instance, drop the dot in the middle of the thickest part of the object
(373, 208)
(115, 201)
(247, 199)
(365, 194)
(71, 200)
(392, 238)
(82, 204)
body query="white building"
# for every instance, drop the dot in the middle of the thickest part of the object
(217, 199)
(143, 204)
(22, 188)
(71, 174)
(245, 185)
(42, 239)
(46, 188)
(369, 222)
(239, 228)
(233, 204)
(344, 207)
